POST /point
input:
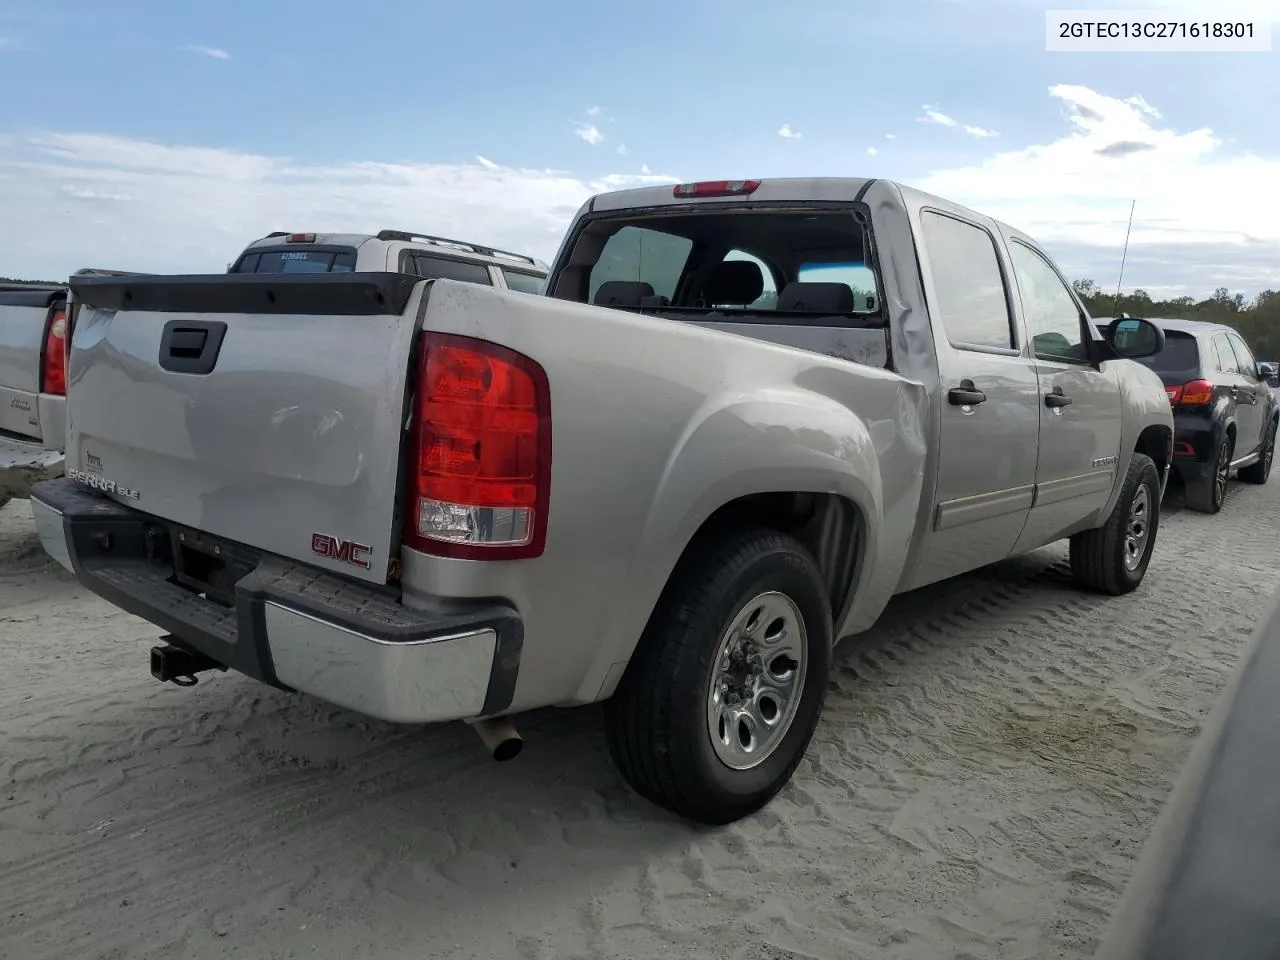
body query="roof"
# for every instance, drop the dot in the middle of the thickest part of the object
(455, 248)
(1175, 323)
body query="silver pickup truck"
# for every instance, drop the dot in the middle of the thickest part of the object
(742, 417)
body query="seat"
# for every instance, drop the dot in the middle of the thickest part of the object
(622, 293)
(734, 283)
(825, 297)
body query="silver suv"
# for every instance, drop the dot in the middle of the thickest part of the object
(392, 251)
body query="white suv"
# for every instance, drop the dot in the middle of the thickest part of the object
(392, 251)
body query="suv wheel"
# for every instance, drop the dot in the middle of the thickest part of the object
(1208, 495)
(1113, 558)
(723, 693)
(1258, 472)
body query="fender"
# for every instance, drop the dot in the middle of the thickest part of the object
(784, 440)
(1145, 404)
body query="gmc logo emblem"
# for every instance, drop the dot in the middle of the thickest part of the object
(346, 551)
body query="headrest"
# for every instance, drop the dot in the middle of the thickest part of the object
(734, 282)
(622, 293)
(816, 298)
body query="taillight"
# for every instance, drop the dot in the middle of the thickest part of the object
(1174, 394)
(301, 238)
(54, 369)
(480, 453)
(716, 188)
(1197, 393)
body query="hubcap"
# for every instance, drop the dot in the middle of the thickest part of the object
(1137, 528)
(1222, 472)
(756, 681)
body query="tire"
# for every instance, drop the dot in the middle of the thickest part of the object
(1260, 471)
(3, 501)
(1113, 558)
(1208, 496)
(659, 722)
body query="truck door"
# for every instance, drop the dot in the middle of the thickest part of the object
(988, 390)
(1079, 405)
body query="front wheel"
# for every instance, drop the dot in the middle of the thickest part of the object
(1113, 558)
(724, 691)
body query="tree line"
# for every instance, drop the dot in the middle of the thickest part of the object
(1257, 320)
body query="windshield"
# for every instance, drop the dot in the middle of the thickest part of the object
(741, 262)
(292, 260)
(1180, 354)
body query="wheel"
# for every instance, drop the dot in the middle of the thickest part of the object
(1207, 496)
(3, 501)
(1113, 558)
(721, 698)
(1258, 472)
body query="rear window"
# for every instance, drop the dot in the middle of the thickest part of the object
(523, 282)
(785, 263)
(1179, 354)
(298, 261)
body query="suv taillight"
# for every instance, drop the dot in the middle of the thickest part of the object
(1197, 393)
(53, 377)
(480, 452)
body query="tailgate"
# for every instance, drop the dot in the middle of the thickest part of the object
(267, 410)
(23, 316)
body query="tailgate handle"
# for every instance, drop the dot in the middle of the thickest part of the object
(191, 346)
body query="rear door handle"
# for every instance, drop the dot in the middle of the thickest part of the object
(1056, 400)
(965, 395)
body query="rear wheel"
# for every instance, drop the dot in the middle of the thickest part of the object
(1113, 558)
(1260, 471)
(724, 691)
(3, 501)
(1209, 494)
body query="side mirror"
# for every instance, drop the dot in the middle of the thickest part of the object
(1266, 371)
(1131, 338)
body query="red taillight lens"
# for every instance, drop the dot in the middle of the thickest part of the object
(1174, 394)
(480, 456)
(54, 371)
(301, 238)
(1197, 393)
(716, 188)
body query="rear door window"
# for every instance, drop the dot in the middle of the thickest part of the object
(523, 282)
(968, 289)
(442, 268)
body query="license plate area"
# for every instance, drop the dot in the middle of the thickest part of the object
(210, 565)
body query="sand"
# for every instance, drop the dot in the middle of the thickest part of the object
(991, 758)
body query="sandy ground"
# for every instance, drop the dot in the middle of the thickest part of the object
(991, 758)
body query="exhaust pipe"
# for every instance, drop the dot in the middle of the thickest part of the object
(499, 737)
(170, 664)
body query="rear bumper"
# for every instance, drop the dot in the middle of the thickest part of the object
(287, 624)
(25, 463)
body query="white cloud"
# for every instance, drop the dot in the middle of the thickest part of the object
(73, 199)
(1196, 202)
(872, 151)
(786, 133)
(588, 132)
(935, 116)
(891, 136)
(622, 149)
(644, 169)
(217, 53)
(594, 111)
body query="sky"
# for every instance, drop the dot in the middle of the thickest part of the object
(164, 136)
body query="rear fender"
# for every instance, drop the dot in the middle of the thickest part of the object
(780, 441)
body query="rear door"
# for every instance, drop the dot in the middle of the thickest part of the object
(267, 410)
(987, 459)
(1078, 404)
(1251, 398)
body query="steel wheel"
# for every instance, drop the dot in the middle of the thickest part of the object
(1137, 527)
(756, 681)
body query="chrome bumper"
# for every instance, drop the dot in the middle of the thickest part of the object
(289, 624)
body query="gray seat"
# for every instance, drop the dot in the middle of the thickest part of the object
(823, 297)
(734, 283)
(622, 293)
